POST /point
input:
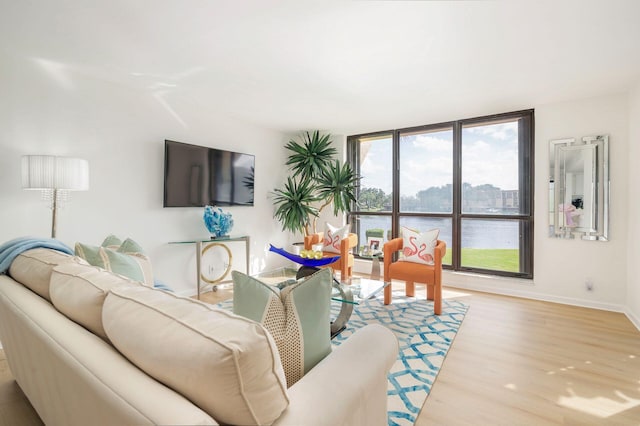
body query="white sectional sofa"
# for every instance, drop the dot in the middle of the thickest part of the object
(73, 374)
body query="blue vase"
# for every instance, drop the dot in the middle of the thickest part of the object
(217, 222)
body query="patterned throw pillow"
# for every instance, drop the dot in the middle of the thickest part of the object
(298, 317)
(333, 236)
(419, 247)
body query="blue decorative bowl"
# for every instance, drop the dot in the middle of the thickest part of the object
(217, 222)
(303, 260)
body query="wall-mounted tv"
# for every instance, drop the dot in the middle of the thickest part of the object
(196, 176)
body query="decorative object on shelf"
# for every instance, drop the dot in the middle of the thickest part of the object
(217, 222)
(317, 181)
(55, 177)
(304, 261)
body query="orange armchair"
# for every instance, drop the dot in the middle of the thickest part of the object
(345, 263)
(412, 273)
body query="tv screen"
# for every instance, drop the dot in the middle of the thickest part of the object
(196, 176)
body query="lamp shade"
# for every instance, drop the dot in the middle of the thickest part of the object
(51, 172)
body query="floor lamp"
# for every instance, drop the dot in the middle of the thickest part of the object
(55, 177)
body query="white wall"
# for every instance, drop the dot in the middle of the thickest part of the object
(562, 266)
(55, 109)
(58, 110)
(633, 227)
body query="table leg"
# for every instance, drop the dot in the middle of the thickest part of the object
(375, 268)
(247, 244)
(346, 309)
(198, 264)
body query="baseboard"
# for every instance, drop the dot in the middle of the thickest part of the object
(456, 280)
(633, 318)
(542, 297)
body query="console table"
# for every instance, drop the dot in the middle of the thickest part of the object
(202, 245)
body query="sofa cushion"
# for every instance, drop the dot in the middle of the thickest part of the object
(226, 364)
(33, 268)
(78, 291)
(298, 317)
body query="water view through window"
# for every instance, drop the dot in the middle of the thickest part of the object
(475, 200)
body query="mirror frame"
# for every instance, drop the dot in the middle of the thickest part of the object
(563, 152)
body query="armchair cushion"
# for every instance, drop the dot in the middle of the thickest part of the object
(333, 237)
(419, 247)
(298, 317)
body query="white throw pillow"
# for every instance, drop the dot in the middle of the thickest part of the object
(78, 291)
(225, 364)
(333, 236)
(419, 247)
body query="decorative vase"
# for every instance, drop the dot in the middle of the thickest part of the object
(217, 222)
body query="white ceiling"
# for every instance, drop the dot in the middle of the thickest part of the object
(349, 67)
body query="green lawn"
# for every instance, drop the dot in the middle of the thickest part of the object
(497, 259)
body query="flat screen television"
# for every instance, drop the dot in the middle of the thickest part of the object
(196, 176)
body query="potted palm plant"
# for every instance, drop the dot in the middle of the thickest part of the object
(317, 180)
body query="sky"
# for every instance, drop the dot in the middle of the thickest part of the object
(489, 156)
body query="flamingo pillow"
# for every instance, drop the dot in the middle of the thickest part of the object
(333, 236)
(419, 247)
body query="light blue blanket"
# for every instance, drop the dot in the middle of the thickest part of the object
(11, 249)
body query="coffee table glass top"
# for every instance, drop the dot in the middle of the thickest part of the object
(343, 296)
(360, 288)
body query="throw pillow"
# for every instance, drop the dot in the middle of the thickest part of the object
(134, 249)
(224, 363)
(419, 247)
(111, 260)
(333, 236)
(298, 317)
(112, 242)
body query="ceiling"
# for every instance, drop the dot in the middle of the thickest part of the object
(344, 66)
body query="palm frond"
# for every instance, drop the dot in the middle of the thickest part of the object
(294, 204)
(312, 157)
(338, 183)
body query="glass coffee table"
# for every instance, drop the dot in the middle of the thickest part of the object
(346, 295)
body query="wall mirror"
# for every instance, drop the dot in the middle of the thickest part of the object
(579, 188)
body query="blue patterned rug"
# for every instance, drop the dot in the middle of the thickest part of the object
(424, 340)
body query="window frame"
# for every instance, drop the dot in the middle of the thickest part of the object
(526, 178)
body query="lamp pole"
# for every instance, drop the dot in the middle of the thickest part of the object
(54, 207)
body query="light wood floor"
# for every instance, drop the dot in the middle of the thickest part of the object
(513, 362)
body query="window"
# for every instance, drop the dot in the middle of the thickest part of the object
(472, 179)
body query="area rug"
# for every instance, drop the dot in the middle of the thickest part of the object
(424, 340)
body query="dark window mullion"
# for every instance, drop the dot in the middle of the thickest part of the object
(395, 219)
(456, 238)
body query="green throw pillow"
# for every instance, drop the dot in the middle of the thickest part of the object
(298, 317)
(130, 246)
(112, 242)
(111, 260)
